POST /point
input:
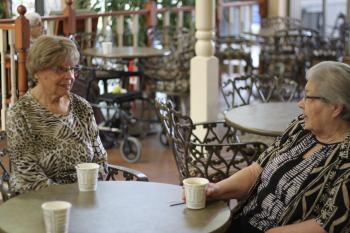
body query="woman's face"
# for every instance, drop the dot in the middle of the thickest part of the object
(318, 113)
(37, 30)
(57, 81)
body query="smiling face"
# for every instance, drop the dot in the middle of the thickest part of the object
(56, 81)
(318, 113)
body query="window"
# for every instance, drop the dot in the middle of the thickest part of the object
(311, 13)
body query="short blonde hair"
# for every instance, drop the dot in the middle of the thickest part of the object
(33, 18)
(49, 52)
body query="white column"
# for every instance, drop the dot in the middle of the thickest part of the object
(204, 66)
(277, 8)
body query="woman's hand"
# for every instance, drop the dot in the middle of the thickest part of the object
(210, 191)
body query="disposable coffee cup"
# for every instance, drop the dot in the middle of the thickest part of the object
(56, 216)
(87, 176)
(195, 192)
(106, 47)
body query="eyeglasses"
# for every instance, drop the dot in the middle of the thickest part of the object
(310, 97)
(64, 70)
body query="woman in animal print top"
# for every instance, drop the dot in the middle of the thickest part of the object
(301, 183)
(51, 130)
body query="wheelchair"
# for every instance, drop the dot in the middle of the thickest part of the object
(112, 110)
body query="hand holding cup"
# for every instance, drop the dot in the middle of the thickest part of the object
(195, 192)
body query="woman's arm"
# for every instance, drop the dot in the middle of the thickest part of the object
(100, 154)
(26, 172)
(236, 186)
(309, 226)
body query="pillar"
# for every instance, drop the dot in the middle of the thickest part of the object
(204, 66)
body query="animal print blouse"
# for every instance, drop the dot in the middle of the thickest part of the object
(45, 147)
(324, 196)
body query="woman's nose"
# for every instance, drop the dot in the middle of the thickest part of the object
(69, 75)
(301, 104)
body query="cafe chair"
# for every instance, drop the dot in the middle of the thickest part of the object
(238, 91)
(273, 88)
(235, 52)
(5, 170)
(209, 149)
(115, 172)
(171, 74)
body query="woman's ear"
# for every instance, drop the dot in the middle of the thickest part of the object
(337, 109)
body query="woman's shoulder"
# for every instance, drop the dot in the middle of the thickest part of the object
(296, 125)
(24, 104)
(80, 104)
(78, 100)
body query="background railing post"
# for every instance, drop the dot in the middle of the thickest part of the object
(151, 20)
(204, 66)
(69, 23)
(22, 44)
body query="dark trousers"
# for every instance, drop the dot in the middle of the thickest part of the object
(241, 225)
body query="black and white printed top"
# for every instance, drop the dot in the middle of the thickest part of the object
(292, 189)
(280, 182)
(45, 147)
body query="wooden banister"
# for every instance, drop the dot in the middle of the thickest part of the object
(22, 35)
(69, 23)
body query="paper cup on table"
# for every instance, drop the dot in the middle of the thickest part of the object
(87, 176)
(106, 47)
(56, 216)
(195, 192)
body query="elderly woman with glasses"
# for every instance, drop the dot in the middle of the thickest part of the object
(51, 130)
(301, 183)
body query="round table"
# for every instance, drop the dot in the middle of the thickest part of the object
(116, 206)
(268, 119)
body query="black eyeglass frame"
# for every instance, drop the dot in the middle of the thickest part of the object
(62, 70)
(315, 98)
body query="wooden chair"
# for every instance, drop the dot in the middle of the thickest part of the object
(209, 149)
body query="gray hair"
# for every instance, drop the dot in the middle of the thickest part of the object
(34, 18)
(49, 52)
(332, 81)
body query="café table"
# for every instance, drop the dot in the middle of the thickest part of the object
(116, 206)
(267, 119)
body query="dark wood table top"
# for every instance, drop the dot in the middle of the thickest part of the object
(126, 52)
(268, 119)
(116, 206)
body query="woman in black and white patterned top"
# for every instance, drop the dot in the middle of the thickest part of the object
(301, 183)
(51, 130)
